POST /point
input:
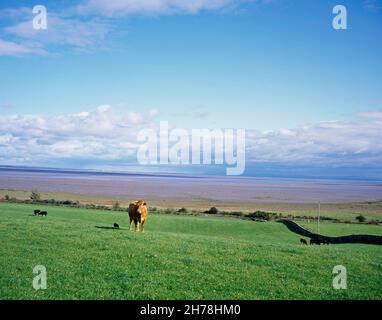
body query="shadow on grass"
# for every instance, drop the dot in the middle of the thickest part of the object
(108, 228)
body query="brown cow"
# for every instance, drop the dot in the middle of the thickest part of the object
(138, 214)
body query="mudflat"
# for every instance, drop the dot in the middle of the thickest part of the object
(197, 192)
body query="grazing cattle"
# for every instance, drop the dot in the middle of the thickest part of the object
(303, 242)
(138, 214)
(116, 225)
(43, 213)
(36, 212)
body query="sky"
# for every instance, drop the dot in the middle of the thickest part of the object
(309, 96)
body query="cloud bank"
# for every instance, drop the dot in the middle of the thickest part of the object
(331, 142)
(109, 136)
(100, 134)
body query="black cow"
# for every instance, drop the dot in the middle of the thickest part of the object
(36, 212)
(116, 225)
(43, 213)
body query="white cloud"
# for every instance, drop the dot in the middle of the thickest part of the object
(62, 31)
(98, 134)
(374, 115)
(10, 48)
(123, 7)
(65, 30)
(339, 142)
(86, 26)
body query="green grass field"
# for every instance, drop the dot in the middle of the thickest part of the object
(179, 257)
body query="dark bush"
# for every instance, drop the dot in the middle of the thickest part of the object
(360, 218)
(262, 215)
(213, 210)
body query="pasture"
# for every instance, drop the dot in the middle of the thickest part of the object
(179, 257)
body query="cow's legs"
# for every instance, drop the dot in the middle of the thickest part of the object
(143, 226)
(131, 221)
(136, 226)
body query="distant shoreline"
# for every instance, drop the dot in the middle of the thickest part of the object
(174, 175)
(244, 191)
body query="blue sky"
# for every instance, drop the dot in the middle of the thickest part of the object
(266, 65)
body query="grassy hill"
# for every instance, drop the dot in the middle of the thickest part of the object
(179, 257)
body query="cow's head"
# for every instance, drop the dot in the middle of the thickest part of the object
(140, 204)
